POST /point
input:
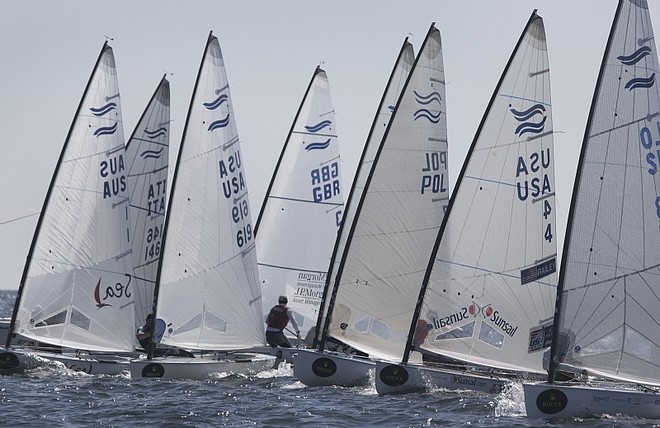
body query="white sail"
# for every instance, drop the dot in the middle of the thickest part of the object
(77, 288)
(147, 159)
(208, 292)
(384, 113)
(492, 286)
(398, 216)
(608, 319)
(302, 210)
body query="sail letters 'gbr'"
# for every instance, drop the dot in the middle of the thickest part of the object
(325, 182)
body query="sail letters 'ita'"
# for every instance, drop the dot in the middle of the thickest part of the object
(76, 292)
(302, 210)
(391, 235)
(207, 288)
(606, 319)
(486, 299)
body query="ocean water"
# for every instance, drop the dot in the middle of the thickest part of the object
(56, 397)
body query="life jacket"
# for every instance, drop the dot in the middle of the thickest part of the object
(278, 317)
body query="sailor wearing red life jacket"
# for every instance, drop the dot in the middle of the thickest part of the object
(277, 320)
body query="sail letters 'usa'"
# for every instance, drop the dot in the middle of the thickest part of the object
(114, 181)
(231, 175)
(539, 185)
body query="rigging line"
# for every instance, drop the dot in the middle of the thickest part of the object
(291, 268)
(19, 218)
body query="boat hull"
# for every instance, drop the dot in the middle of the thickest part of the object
(14, 361)
(314, 368)
(544, 400)
(202, 367)
(398, 378)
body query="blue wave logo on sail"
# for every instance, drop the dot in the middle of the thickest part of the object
(101, 111)
(428, 99)
(433, 97)
(526, 117)
(319, 126)
(635, 57)
(155, 133)
(641, 82)
(151, 154)
(219, 123)
(318, 146)
(217, 102)
(106, 130)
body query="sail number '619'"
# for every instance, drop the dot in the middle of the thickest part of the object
(653, 156)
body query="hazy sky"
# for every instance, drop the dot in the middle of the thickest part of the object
(271, 48)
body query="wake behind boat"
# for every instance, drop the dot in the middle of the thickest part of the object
(606, 333)
(207, 289)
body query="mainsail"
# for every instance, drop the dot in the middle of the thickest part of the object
(208, 290)
(302, 209)
(491, 283)
(147, 158)
(397, 79)
(397, 217)
(77, 290)
(607, 321)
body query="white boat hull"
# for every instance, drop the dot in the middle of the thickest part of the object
(202, 367)
(398, 378)
(19, 360)
(314, 368)
(568, 401)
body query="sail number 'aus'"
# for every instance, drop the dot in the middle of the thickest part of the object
(114, 181)
(653, 156)
(234, 189)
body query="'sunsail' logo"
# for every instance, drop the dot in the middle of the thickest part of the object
(551, 401)
(394, 375)
(153, 370)
(324, 367)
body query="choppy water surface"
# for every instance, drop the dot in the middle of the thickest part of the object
(54, 396)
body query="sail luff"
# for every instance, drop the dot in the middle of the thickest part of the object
(48, 196)
(147, 179)
(171, 196)
(348, 215)
(554, 362)
(286, 143)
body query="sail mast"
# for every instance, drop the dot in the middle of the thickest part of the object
(150, 351)
(347, 206)
(286, 143)
(429, 269)
(48, 196)
(349, 238)
(567, 238)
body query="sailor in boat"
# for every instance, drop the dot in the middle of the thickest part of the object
(143, 333)
(277, 320)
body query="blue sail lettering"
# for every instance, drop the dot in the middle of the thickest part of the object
(325, 182)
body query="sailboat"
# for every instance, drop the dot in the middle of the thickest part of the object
(147, 154)
(606, 333)
(76, 291)
(392, 233)
(207, 288)
(484, 311)
(302, 210)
